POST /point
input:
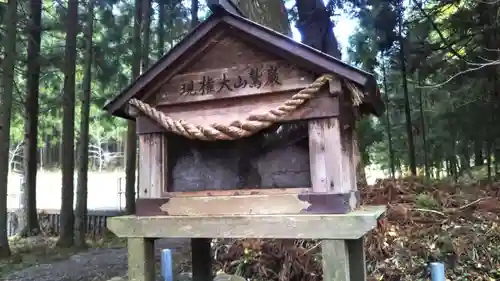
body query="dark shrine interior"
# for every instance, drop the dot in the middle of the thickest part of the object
(197, 164)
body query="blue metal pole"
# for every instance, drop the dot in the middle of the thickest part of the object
(437, 271)
(166, 265)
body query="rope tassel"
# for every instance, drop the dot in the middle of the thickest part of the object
(240, 128)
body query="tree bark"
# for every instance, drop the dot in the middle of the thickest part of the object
(160, 31)
(5, 117)
(83, 147)
(423, 127)
(478, 153)
(269, 13)
(316, 27)
(67, 223)
(194, 13)
(30, 216)
(131, 158)
(388, 127)
(146, 33)
(409, 132)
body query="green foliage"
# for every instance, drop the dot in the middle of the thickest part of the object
(112, 60)
(426, 201)
(442, 39)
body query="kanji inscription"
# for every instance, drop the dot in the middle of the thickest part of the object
(240, 80)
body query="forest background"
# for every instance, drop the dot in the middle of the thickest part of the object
(436, 63)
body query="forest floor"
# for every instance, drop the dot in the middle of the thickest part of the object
(458, 224)
(34, 251)
(38, 259)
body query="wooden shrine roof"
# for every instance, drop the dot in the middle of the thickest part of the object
(274, 42)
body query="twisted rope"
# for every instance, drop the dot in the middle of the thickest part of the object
(236, 129)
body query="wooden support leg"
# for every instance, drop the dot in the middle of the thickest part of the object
(141, 260)
(335, 260)
(201, 256)
(357, 260)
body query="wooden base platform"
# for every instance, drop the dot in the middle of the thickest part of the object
(342, 235)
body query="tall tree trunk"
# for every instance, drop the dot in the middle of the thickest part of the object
(388, 121)
(496, 87)
(422, 126)
(5, 117)
(496, 166)
(31, 106)
(453, 155)
(317, 31)
(130, 165)
(409, 131)
(478, 153)
(67, 223)
(488, 155)
(146, 33)
(194, 13)
(161, 25)
(465, 160)
(316, 27)
(270, 13)
(83, 148)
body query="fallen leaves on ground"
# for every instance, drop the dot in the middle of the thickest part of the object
(456, 224)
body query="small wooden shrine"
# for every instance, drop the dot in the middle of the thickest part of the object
(227, 80)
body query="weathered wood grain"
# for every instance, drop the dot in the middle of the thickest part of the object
(335, 260)
(220, 50)
(235, 81)
(225, 111)
(152, 165)
(259, 204)
(141, 259)
(183, 61)
(235, 205)
(224, 51)
(302, 226)
(325, 152)
(332, 158)
(331, 154)
(246, 191)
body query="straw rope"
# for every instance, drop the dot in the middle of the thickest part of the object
(240, 128)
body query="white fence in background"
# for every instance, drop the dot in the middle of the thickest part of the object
(106, 193)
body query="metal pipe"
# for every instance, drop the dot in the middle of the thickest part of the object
(166, 265)
(437, 271)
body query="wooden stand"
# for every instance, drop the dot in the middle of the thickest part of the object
(341, 235)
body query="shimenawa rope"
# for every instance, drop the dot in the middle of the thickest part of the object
(236, 129)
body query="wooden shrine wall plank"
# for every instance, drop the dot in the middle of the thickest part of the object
(234, 81)
(332, 158)
(243, 204)
(225, 52)
(296, 226)
(226, 111)
(152, 165)
(184, 62)
(253, 191)
(235, 205)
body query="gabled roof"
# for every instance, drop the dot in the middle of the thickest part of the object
(301, 54)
